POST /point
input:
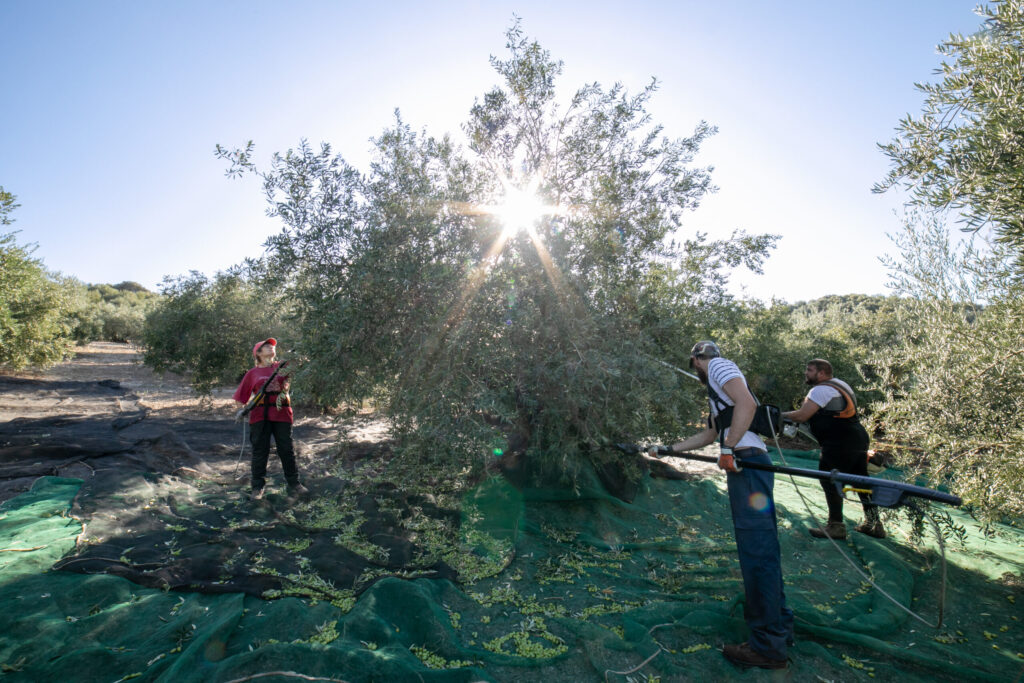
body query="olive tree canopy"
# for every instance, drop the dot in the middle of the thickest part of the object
(508, 295)
(966, 149)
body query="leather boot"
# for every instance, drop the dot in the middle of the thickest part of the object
(744, 655)
(836, 530)
(872, 524)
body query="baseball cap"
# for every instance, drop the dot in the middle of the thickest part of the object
(704, 349)
(271, 341)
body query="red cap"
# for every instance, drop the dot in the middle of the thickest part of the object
(259, 345)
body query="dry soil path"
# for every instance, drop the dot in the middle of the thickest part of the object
(104, 410)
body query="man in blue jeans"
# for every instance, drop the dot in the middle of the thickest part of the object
(753, 508)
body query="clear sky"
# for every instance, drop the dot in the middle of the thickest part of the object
(109, 112)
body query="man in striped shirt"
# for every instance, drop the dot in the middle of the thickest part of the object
(752, 501)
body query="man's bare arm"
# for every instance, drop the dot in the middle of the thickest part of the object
(698, 440)
(803, 413)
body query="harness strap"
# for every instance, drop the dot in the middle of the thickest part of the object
(269, 397)
(723, 418)
(850, 410)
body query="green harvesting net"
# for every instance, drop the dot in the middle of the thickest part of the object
(177, 579)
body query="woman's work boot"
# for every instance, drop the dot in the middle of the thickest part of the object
(836, 530)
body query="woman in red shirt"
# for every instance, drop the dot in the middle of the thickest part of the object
(271, 416)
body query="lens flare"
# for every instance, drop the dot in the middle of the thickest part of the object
(519, 210)
(759, 502)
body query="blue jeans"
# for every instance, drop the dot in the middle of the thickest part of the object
(757, 542)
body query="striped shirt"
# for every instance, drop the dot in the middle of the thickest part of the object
(721, 371)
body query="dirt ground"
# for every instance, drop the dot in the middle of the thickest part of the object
(104, 409)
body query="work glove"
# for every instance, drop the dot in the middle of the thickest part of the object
(280, 401)
(653, 451)
(727, 461)
(239, 414)
(789, 429)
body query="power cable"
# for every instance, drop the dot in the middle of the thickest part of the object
(238, 461)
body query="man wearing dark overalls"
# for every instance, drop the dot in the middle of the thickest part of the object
(830, 410)
(753, 508)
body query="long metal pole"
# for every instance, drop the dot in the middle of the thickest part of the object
(867, 483)
(672, 367)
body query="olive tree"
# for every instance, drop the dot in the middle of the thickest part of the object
(508, 294)
(205, 327)
(952, 383)
(7, 206)
(35, 305)
(111, 312)
(965, 150)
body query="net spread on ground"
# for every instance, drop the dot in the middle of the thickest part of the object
(139, 575)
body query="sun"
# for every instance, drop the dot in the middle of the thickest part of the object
(520, 208)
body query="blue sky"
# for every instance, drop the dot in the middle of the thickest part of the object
(110, 112)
